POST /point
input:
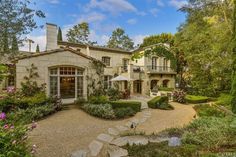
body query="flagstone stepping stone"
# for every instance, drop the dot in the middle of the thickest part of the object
(113, 131)
(142, 120)
(136, 121)
(174, 141)
(157, 139)
(95, 147)
(122, 128)
(130, 140)
(105, 138)
(115, 151)
(128, 124)
(80, 153)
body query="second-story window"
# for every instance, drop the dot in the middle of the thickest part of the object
(165, 64)
(125, 64)
(106, 61)
(154, 62)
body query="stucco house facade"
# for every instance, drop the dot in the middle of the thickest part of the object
(64, 68)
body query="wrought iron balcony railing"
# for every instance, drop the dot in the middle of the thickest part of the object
(160, 69)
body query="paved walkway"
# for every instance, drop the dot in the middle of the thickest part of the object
(72, 130)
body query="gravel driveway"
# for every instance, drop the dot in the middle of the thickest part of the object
(69, 130)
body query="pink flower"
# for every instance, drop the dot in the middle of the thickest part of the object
(11, 89)
(6, 126)
(12, 127)
(2, 116)
(34, 125)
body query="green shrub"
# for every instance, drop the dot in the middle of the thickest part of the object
(124, 112)
(135, 105)
(113, 94)
(207, 110)
(98, 99)
(224, 100)
(194, 99)
(165, 89)
(102, 111)
(160, 103)
(80, 102)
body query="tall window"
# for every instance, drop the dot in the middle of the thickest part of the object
(154, 63)
(125, 64)
(107, 81)
(106, 61)
(165, 64)
(66, 81)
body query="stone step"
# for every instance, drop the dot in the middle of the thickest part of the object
(95, 147)
(105, 138)
(80, 153)
(113, 131)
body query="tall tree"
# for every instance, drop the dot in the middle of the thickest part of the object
(14, 46)
(37, 48)
(204, 38)
(233, 86)
(59, 35)
(166, 38)
(16, 18)
(120, 40)
(79, 34)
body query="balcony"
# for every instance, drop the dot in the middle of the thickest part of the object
(160, 69)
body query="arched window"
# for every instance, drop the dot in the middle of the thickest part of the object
(66, 81)
(165, 83)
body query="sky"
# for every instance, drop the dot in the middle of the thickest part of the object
(139, 18)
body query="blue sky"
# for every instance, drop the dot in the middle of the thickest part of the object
(139, 18)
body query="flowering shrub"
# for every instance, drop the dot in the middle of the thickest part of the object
(179, 96)
(13, 138)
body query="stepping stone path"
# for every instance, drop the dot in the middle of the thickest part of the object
(105, 138)
(95, 147)
(113, 138)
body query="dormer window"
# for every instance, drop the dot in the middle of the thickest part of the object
(106, 61)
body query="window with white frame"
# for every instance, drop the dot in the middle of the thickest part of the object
(107, 81)
(66, 81)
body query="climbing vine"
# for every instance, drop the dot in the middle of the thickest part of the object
(96, 84)
(160, 51)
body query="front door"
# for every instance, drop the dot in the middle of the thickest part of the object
(138, 86)
(67, 87)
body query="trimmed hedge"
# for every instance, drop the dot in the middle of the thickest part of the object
(194, 99)
(160, 103)
(135, 105)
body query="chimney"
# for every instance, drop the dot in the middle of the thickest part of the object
(51, 36)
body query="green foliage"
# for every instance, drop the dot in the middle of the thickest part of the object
(79, 34)
(120, 40)
(165, 89)
(102, 99)
(3, 71)
(102, 111)
(80, 102)
(17, 19)
(195, 99)
(30, 87)
(37, 48)
(160, 103)
(14, 46)
(113, 94)
(208, 111)
(179, 96)
(164, 38)
(135, 105)
(204, 38)
(59, 35)
(224, 100)
(124, 112)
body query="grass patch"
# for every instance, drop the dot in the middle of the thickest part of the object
(135, 105)
(195, 99)
(208, 110)
(224, 100)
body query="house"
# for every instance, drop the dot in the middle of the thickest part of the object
(65, 68)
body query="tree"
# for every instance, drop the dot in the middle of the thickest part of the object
(17, 18)
(120, 40)
(59, 35)
(79, 34)
(204, 39)
(37, 48)
(14, 47)
(233, 86)
(165, 38)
